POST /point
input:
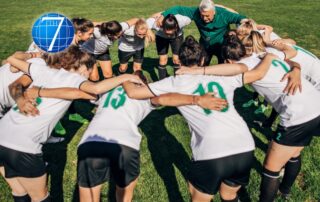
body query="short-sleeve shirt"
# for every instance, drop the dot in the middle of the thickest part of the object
(293, 109)
(99, 44)
(214, 134)
(27, 133)
(117, 119)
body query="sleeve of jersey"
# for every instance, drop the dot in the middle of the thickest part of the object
(36, 70)
(151, 22)
(185, 11)
(183, 20)
(125, 26)
(161, 87)
(278, 53)
(232, 17)
(77, 80)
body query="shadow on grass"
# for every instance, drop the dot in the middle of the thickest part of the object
(242, 95)
(56, 154)
(165, 151)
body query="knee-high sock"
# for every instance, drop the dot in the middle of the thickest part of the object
(292, 169)
(162, 71)
(269, 185)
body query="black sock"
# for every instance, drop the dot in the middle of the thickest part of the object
(162, 71)
(292, 169)
(25, 198)
(175, 68)
(269, 185)
(233, 200)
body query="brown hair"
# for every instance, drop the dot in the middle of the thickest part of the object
(81, 24)
(141, 24)
(111, 28)
(72, 58)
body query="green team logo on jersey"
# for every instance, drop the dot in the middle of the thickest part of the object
(38, 101)
(304, 50)
(210, 88)
(115, 101)
(278, 63)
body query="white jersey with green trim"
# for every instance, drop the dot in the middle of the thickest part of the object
(214, 134)
(6, 78)
(28, 133)
(310, 65)
(117, 119)
(293, 109)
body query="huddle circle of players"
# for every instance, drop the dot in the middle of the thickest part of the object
(39, 88)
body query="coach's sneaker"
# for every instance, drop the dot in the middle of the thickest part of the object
(59, 129)
(249, 103)
(78, 118)
(261, 109)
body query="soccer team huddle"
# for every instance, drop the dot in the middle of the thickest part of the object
(38, 89)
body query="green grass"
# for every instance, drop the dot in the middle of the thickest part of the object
(165, 150)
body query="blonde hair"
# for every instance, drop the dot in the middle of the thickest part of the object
(142, 24)
(254, 43)
(245, 28)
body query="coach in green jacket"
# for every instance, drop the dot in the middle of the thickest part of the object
(212, 22)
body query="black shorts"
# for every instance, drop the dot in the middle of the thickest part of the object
(103, 57)
(207, 175)
(137, 55)
(298, 135)
(20, 164)
(98, 160)
(163, 45)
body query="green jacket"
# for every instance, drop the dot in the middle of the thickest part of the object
(211, 33)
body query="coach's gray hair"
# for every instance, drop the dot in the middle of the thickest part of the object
(206, 5)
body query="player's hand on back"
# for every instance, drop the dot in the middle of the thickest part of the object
(209, 101)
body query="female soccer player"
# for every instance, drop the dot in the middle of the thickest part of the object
(112, 140)
(222, 145)
(169, 34)
(299, 121)
(22, 136)
(132, 44)
(103, 37)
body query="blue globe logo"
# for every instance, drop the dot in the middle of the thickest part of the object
(53, 32)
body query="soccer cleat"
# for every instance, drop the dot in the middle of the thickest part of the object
(249, 103)
(78, 118)
(59, 129)
(261, 109)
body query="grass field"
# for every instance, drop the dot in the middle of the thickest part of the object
(165, 151)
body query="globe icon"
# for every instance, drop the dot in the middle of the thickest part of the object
(53, 32)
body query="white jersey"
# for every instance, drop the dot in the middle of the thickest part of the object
(310, 65)
(27, 133)
(99, 44)
(6, 78)
(293, 109)
(214, 134)
(117, 119)
(183, 21)
(273, 36)
(129, 42)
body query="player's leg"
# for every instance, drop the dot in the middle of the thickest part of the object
(162, 49)
(124, 58)
(175, 47)
(138, 60)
